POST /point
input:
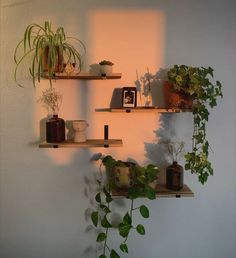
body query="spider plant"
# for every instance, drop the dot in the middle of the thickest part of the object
(48, 51)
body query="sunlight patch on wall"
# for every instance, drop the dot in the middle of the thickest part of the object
(133, 40)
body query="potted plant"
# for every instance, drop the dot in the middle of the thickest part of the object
(140, 178)
(196, 82)
(174, 172)
(48, 50)
(55, 126)
(106, 67)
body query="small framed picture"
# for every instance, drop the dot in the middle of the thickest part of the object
(129, 97)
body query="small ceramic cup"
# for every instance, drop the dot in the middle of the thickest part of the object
(79, 127)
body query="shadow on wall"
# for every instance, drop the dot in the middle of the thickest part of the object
(143, 83)
(157, 152)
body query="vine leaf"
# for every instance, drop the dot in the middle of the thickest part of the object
(94, 218)
(140, 229)
(144, 211)
(114, 254)
(101, 237)
(124, 248)
(127, 219)
(124, 229)
(150, 193)
(98, 197)
(105, 223)
(103, 256)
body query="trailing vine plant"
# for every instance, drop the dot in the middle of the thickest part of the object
(196, 82)
(141, 177)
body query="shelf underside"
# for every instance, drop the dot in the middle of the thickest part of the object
(161, 192)
(83, 76)
(143, 109)
(90, 143)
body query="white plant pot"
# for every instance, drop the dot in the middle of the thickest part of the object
(106, 69)
(79, 127)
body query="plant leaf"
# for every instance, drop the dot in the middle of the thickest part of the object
(124, 248)
(150, 193)
(101, 237)
(127, 219)
(98, 197)
(105, 223)
(102, 256)
(140, 229)
(114, 254)
(105, 208)
(124, 229)
(144, 211)
(94, 217)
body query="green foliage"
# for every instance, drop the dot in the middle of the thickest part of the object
(114, 254)
(101, 237)
(141, 177)
(124, 248)
(196, 82)
(106, 62)
(140, 229)
(144, 211)
(94, 217)
(37, 41)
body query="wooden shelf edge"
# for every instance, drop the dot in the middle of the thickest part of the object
(143, 109)
(83, 76)
(90, 143)
(161, 192)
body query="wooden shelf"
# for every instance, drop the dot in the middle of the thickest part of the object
(143, 109)
(161, 192)
(83, 76)
(90, 143)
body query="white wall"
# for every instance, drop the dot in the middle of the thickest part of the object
(45, 194)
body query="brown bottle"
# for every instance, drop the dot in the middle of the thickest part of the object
(55, 129)
(174, 176)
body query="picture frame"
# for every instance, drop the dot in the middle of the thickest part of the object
(129, 97)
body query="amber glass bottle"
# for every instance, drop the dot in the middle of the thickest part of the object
(55, 129)
(174, 176)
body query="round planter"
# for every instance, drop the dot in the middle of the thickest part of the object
(106, 70)
(174, 99)
(122, 176)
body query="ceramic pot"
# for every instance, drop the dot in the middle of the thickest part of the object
(80, 127)
(122, 175)
(55, 129)
(106, 70)
(58, 66)
(174, 99)
(174, 177)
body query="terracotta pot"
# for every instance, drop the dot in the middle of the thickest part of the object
(58, 67)
(174, 99)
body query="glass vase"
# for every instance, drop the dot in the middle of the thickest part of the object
(55, 129)
(174, 177)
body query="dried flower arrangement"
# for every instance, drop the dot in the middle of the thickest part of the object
(52, 100)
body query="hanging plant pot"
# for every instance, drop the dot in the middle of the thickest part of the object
(174, 99)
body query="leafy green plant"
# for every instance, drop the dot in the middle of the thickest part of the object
(48, 50)
(141, 177)
(106, 62)
(197, 83)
